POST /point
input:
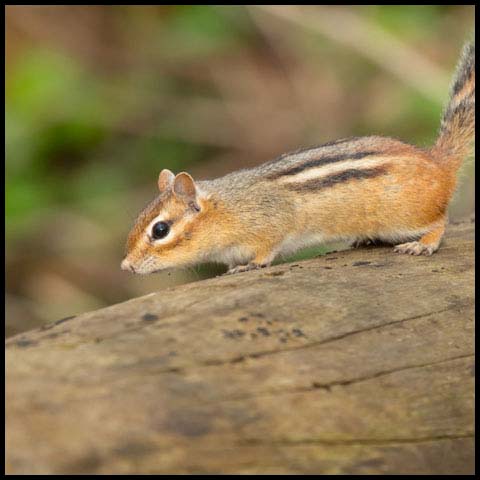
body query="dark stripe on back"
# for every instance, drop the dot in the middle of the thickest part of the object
(316, 162)
(337, 178)
(313, 147)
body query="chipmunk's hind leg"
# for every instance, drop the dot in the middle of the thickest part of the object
(426, 245)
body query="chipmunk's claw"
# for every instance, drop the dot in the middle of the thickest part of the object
(414, 248)
(245, 268)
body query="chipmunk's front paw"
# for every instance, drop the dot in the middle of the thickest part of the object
(245, 268)
(414, 248)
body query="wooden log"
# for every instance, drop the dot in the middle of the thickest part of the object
(360, 361)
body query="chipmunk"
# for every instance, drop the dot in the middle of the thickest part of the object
(355, 189)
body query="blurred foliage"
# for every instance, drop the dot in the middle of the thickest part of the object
(100, 98)
(416, 23)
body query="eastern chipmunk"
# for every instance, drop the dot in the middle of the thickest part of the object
(355, 189)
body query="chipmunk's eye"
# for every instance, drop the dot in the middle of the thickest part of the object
(160, 230)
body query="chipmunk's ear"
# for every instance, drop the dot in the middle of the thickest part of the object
(185, 189)
(165, 180)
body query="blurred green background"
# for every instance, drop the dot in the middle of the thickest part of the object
(100, 98)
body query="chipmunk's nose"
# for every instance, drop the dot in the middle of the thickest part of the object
(126, 265)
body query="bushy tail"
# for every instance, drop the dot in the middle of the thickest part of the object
(457, 129)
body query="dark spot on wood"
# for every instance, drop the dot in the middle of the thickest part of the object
(189, 423)
(87, 464)
(321, 386)
(327, 259)
(243, 319)
(327, 268)
(233, 333)
(253, 335)
(298, 333)
(58, 322)
(23, 342)
(149, 317)
(52, 335)
(175, 370)
(263, 331)
(237, 359)
(360, 264)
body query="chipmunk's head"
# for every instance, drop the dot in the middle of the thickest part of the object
(171, 231)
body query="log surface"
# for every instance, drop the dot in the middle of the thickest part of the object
(360, 361)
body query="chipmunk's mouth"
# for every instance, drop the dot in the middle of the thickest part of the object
(152, 270)
(144, 267)
(126, 265)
